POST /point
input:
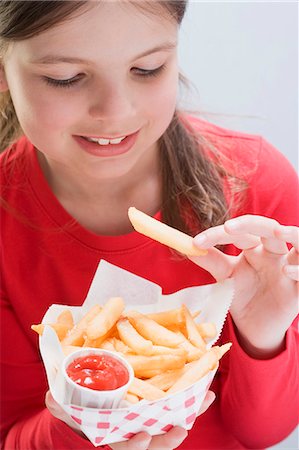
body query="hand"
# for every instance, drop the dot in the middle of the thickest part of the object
(57, 411)
(266, 278)
(168, 441)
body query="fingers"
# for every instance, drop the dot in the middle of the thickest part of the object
(170, 440)
(289, 234)
(259, 226)
(245, 232)
(219, 236)
(210, 397)
(141, 441)
(217, 263)
(292, 272)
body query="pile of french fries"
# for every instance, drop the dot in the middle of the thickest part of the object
(167, 350)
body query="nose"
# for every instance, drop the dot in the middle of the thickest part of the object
(111, 102)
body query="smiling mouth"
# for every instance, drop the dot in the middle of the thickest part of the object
(104, 141)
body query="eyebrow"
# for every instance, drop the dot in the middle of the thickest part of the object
(56, 59)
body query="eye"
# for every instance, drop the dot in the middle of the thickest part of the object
(148, 72)
(69, 82)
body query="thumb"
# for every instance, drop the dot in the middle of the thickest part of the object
(140, 441)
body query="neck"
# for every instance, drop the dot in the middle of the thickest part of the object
(101, 205)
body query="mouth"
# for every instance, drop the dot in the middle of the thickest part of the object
(107, 145)
(104, 140)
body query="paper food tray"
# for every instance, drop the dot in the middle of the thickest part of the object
(155, 417)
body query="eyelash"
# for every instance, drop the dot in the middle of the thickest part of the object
(62, 83)
(149, 73)
(68, 83)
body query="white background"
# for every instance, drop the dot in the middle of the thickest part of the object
(242, 58)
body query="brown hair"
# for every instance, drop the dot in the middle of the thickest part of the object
(192, 191)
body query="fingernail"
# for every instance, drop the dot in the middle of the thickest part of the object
(200, 240)
(232, 224)
(181, 435)
(291, 270)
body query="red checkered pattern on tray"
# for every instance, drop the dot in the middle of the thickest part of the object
(108, 426)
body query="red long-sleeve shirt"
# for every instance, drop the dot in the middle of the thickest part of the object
(48, 258)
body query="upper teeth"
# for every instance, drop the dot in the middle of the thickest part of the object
(103, 141)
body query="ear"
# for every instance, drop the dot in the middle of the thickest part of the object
(3, 81)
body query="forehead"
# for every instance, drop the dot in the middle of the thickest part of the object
(103, 27)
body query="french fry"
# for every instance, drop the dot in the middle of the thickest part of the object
(171, 318)
(167, 350)
(193, 353)
(121, 347)
(76, 334)
(106, 318)
(159, 362)
(108, 344)
(132, 338)
(207, 362)
(149, 373)
(150, 329)
(66, 318)
(131, 398)
(193, 334)
(163, 233)
(207, 330)
(96, 343)
(161, 350)
(221, 350)
(145, 390)
(166, 379)
(60, 329)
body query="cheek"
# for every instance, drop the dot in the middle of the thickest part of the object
(37, 107)
(162, 96)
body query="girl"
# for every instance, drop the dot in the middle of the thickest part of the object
(89, 120)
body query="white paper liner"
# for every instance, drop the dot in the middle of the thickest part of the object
(157, 417)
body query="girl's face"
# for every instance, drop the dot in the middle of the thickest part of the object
(95, 93)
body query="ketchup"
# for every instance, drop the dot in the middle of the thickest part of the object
(98, 372)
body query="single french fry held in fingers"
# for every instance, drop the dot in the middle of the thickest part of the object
(145, 390)
(150, 329)
(106, 318)
(158, 231)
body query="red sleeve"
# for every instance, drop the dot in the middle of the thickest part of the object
(260, 398)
